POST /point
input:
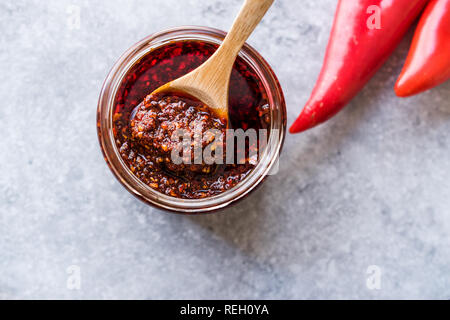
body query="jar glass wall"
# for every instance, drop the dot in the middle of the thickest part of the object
(111, 153)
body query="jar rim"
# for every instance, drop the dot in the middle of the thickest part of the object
(153, 197)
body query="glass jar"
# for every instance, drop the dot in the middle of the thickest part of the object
(150, 196)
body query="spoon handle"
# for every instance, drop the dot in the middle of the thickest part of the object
(248, 18)
(209, 83)
(217, 69)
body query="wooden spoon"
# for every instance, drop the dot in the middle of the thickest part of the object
(209, 83)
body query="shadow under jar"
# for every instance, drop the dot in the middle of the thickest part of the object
(256, 102)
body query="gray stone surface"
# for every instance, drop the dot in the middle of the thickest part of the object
(371, 187)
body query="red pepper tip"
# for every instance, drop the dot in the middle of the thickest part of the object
(293, 130)
(400, 92)
(300, 125)
(404, 88)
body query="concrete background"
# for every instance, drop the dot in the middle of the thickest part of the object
(371, 187)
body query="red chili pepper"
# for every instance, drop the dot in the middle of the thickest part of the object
(428, 62)
(355, 52)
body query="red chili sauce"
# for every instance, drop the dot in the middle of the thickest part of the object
(162, 118)
(137, 130)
